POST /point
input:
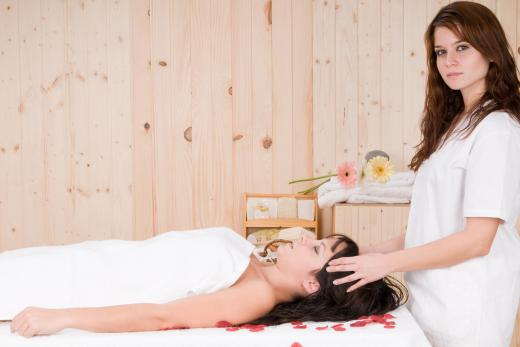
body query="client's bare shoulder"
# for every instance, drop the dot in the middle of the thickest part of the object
(254, 285)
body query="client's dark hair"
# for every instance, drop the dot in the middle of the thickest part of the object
(332, 302)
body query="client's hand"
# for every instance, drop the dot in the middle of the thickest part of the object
(38, 321)
(367, 268)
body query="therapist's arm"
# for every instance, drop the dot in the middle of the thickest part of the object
(388, 246)
(474, 241)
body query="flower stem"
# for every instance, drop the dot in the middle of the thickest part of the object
(312, 178)
(305, 192)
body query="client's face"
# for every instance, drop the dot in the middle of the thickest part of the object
(305, 257)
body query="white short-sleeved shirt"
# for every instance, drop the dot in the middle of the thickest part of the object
(474, 303)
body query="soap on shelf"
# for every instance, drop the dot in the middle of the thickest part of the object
(261, 208)
(306, 209)
(287, 207)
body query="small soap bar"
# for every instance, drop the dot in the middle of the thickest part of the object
(261, 208)
(306, 209)
(287, 208)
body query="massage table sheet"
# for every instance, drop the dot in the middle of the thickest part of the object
(405, 334)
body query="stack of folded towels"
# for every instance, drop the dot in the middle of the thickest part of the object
(398, 189)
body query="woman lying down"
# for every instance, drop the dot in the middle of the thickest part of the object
(181, 280)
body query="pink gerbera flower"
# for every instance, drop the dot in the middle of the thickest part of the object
(347, 174)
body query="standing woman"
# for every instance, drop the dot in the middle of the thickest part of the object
(461, 252)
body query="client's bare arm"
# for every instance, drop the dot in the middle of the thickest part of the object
(237, 304)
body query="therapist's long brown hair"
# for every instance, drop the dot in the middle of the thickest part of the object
(477, 25)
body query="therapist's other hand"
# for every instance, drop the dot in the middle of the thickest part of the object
(367, 268)
(37, 321)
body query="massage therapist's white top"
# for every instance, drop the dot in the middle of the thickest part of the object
(472, 304)
(169, 266)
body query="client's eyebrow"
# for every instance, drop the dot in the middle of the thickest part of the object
(323, 247)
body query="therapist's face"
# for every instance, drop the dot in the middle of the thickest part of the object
(461, 66)
(302, 259)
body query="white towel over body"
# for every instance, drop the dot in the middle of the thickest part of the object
(168, 266)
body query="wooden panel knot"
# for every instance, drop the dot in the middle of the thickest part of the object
(267, 142)
(187, 134)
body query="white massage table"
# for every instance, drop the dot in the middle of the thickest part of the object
(405, 334)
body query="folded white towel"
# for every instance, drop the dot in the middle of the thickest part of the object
(366, 199)
(398, 189)
(393, 192)
(399, 179)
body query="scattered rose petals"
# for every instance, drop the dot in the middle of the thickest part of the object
(380, 319)
(232, 329)
(301, 326)
(337, 325)
(322, 328)
(358, 324)
(339, 328)
(223, 324)
(296, 344)
(257, 329)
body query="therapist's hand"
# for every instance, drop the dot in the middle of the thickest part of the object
(367, 268)
(38, 321)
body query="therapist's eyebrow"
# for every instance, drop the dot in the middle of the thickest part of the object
(453, 44)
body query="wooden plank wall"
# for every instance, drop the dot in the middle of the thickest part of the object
(124, 119)
(129, 118)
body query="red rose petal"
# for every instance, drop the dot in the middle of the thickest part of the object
(301, 326)
(337, 325)
(253, 326)
(254, 330)
(322, 328)
(390, 323)
(339, 328)
(388, 316)
(358, 324)
(296, 344)
(232, 329)
(223, 324)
